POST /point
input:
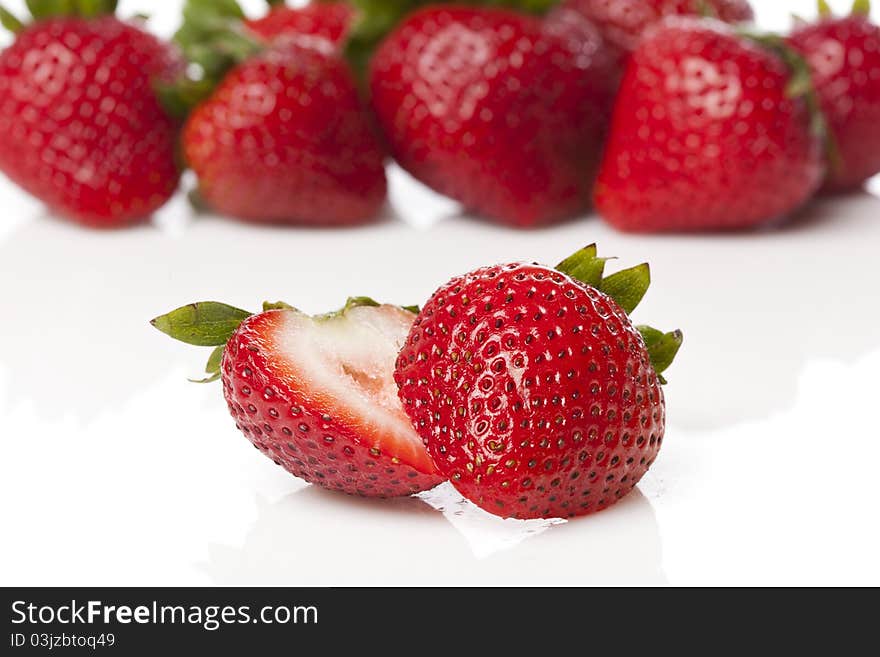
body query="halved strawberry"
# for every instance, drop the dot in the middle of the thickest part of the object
(316, 394)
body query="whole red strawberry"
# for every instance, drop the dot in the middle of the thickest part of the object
(532, 390)
(709, 133)
(285, 138)
(495, 109)
(282, 135)
(81, 127)
(844, 57)
(329, 20)
(623, 23)
(316, 394)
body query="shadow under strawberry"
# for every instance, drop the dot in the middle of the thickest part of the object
(291, 543)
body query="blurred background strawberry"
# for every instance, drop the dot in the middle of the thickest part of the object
(291, 111)
(844, 57)
(81, 127)
(276, 130)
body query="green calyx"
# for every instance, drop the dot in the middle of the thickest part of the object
(627, 288)
(207, 324)
(10, 21)
(362, 302)
(801, 80)
(861, 8)
(44, 9)
(662, 347)
(213, 40)
(212, 324)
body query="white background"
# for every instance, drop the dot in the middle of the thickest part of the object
(116, 471)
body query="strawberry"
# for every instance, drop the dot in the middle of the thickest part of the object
(81, 127)
(495, 110)
(623, 23)
(285, 138)
(373, 20)
(315, 394)
(534, 393)
(711, 131)
(844, 57)
(329, 20)
(281, 135)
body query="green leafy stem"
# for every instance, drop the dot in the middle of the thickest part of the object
(43, 9)
(213, 38)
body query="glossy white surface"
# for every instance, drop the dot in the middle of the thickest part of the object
(114, 470)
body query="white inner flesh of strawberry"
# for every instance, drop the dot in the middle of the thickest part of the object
(346, 364)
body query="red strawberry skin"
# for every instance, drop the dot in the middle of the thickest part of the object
(329, 20)
(304, 431)
(285, 138)
(495, 110)
(705, 136)
(533, 392)
(623, 23)
(81, 128)
(844, 56)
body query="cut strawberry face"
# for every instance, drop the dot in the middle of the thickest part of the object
(317, 394)
(344, 365)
